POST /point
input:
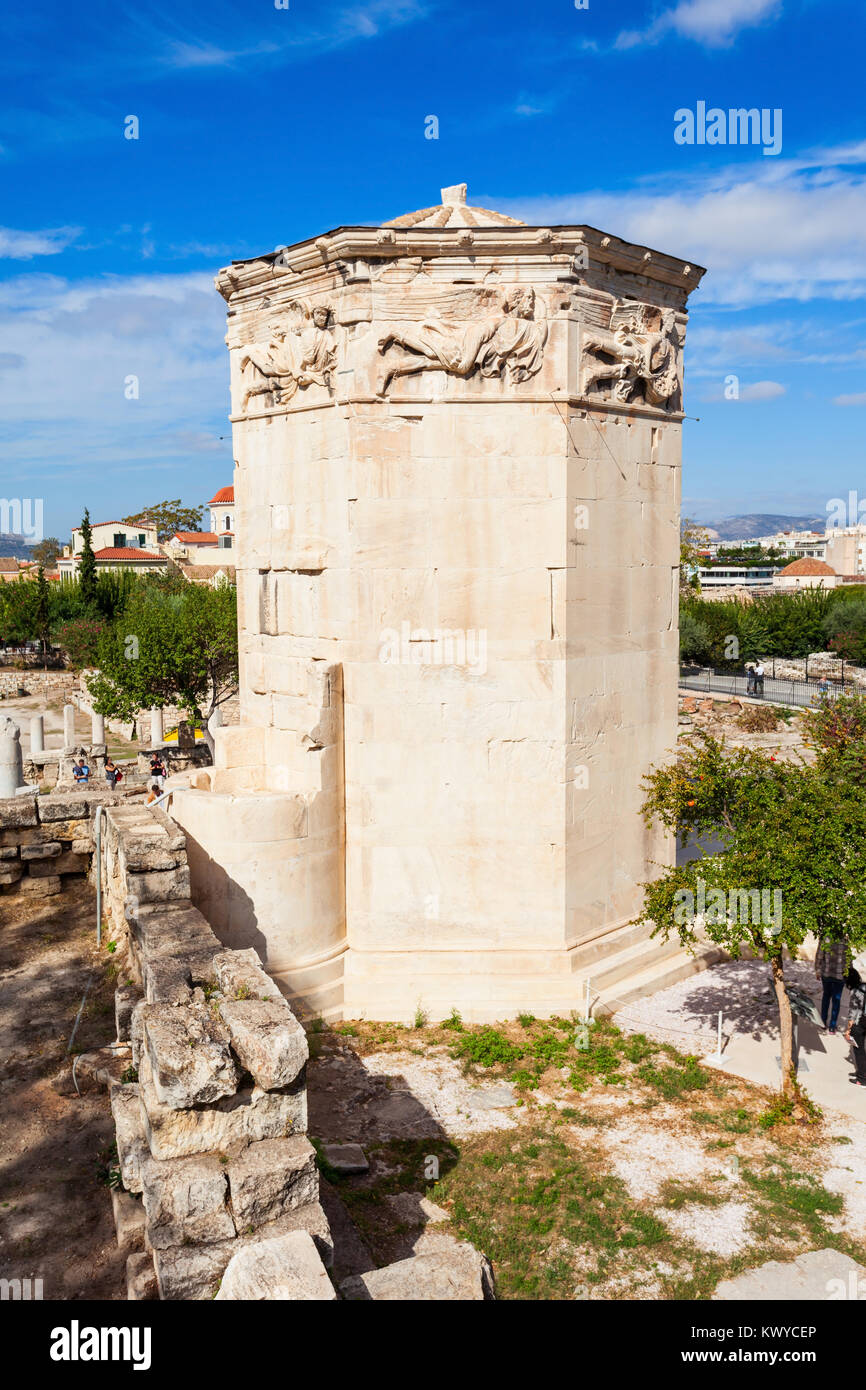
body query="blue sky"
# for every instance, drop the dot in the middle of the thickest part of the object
(261, 126)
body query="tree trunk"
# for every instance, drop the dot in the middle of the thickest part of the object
(786, 1026)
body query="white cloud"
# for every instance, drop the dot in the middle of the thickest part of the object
(796, 231)
(859, 398)
(23, 246)
(762, 391)
(75, 344)
(714, 23)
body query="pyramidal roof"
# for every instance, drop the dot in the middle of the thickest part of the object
(453, 211)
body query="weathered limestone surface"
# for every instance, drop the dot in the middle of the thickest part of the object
(270, 1178)
(458, 468)
(286, 1268)
(190, 1060)
(212, 1131)
(441, 1268)
(185, 1201)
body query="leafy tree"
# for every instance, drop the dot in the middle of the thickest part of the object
(845, 629)
(836, 730)
(80, 641)
(46, 551)
(694, 639)
(693, 539)
(787, 829)
(42, 610)
(169, 648)
(168, 517)
(87, 563)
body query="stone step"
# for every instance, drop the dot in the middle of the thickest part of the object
(607, 945)
(632, 960)
(655, 976)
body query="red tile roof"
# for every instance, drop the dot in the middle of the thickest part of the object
(125, 552)
(195, 537)
(8, 564)
(147, 525)
(807, 566)
(225, 494)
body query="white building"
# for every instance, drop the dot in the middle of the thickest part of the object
(117, 545)
(222, 518)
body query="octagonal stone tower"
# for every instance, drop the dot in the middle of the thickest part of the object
(457, 445)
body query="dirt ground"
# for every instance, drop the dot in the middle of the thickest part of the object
(55, 1213)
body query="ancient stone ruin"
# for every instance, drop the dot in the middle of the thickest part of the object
(457, 444)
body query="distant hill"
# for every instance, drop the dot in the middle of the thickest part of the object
(14, 545)
(745, 528)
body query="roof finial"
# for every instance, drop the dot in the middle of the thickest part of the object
(455, 196)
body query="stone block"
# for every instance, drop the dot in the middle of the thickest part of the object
(250, 1114)
(49, 850)
(42, 887)
(270, 1178)
(346, 1159)
(285, 1268)
(125, 1000)
(83, 845)
(60, 864)
(166, 980)
(268, 1039)
(167, 885)
(185, 1201)
(8, 852)
(441, 1269)
(171, 930)
(10, 873)
(132, 1145)
(141, 1281)
(62, 808)
(16, 811)
(129, 1220)
(191, 1272)
(240, 975)
(189, 1055)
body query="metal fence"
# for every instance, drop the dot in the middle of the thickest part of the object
(776, 691)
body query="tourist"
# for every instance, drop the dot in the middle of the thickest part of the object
(750, 679)
(855, 1029)
(80, 771)
(153, 795)
(112, 773)
(831, 967)
(157, 770)
(759, 679)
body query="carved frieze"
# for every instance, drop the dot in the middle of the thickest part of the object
(300, 352)
(637, 358)
(504, 334)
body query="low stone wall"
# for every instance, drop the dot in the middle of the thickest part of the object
(37, 682)
(43, 840)
(211, 1119)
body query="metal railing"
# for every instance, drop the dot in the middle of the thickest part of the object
(801, 694)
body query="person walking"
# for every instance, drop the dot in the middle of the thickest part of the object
(112, 773)
(831, 967)
(157, 771)
(750, 679)
(759, 679)
(855, 1028)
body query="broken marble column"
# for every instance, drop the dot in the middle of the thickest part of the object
(97, 727)
(11, 764)
(157, 737)
(37, 734)
(216, 720)
(68, 726)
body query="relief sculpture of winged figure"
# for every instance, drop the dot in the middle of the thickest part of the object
(640, 355)
(300, 352)
(510, 340)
